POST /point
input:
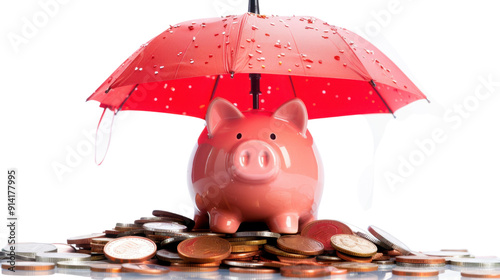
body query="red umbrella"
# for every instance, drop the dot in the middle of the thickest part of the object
(334, 71)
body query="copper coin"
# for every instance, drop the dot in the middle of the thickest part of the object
(349, 258)
(186, 263)
(244, 248)
(130, 249)
(235, 256)
(420, 260)
(85, 239)
(482, 274)
(101, 240)
(328, 258)
(106, 267)
(295, 261)
(300, 245)
(253, 270)
(31, 266)
(357, 267)
(204, 249)
(278, 252)
(310, 271)
(323, 230)
(353, 245)
(394, 253)
(414, 272)
(193, 268)
(145, 268)
(175, 217)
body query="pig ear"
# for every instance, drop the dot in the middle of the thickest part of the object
(295, 112)
(219, 110)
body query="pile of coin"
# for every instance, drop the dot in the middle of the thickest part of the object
(167, 242)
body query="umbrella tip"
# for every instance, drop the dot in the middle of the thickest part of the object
(253, 6)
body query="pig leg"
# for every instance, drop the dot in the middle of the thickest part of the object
(200, 219)
(224, 221)
(304, 220)
(284, 223)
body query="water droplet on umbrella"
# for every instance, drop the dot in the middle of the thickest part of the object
(303, 55)
(216, 34)
(377, 61)
(324, 37)
(324, 92)
(161, 67)
(210, 55)
(136, 68)
(405, 86)
(206, 62)
(297, 65)
(263, 66)
(267, 34)
(309, 27)
(156, 72)
(250, 55)
(341, 51)
(268, 92)
(272, 23)
(388, 70)
(348, 98)
(190, 27)
(345, 64)
(351, 43)
(282, 54)
(179, 53)
(308, 66)
(219, 46)
(248, 40)
(254, 27)
(191, 61)
(337, 57)
(280, 62)
(308, 60)
(235, 104)
(258, 51)
(320, 61)
(172, 89)
(171, 31)
(258, 46)
(156, 99)
(336, 96)
(194, 38)
(140, 69)
(224, 32)
(394, 81)
(167, 107)
(289, 70)
(262, 101)
(154, 66)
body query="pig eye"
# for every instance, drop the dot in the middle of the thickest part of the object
(272, 136)
(238, 136)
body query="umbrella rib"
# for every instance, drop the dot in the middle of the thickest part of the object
(293, 87)
(374, 86)
(184, 54)
(215, 88)
(126, 98)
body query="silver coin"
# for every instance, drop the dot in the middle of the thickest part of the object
(328, 258)
(166, 255)
(165, 227)
(57, 257)
(448, 254)
(387, 262)
(77, 264)
(127, 225)
(30, 249)
(390, 240)
(475, 262)
(366, 235)
(267, 234)
(242, 264)
(420, 265)
(174, 239)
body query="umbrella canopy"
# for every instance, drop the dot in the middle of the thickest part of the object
(334, 71)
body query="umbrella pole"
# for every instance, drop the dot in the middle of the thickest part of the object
(255, 89)
(253, 7)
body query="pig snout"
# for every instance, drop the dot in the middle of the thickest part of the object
(254, 161)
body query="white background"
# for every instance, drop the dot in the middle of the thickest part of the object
(446, 199)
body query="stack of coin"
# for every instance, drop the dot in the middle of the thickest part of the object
(353, 248)
(97, 248)
(82, 243)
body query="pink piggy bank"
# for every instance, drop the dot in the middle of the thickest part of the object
(255, 166)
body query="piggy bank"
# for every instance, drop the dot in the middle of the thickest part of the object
(255, 166)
